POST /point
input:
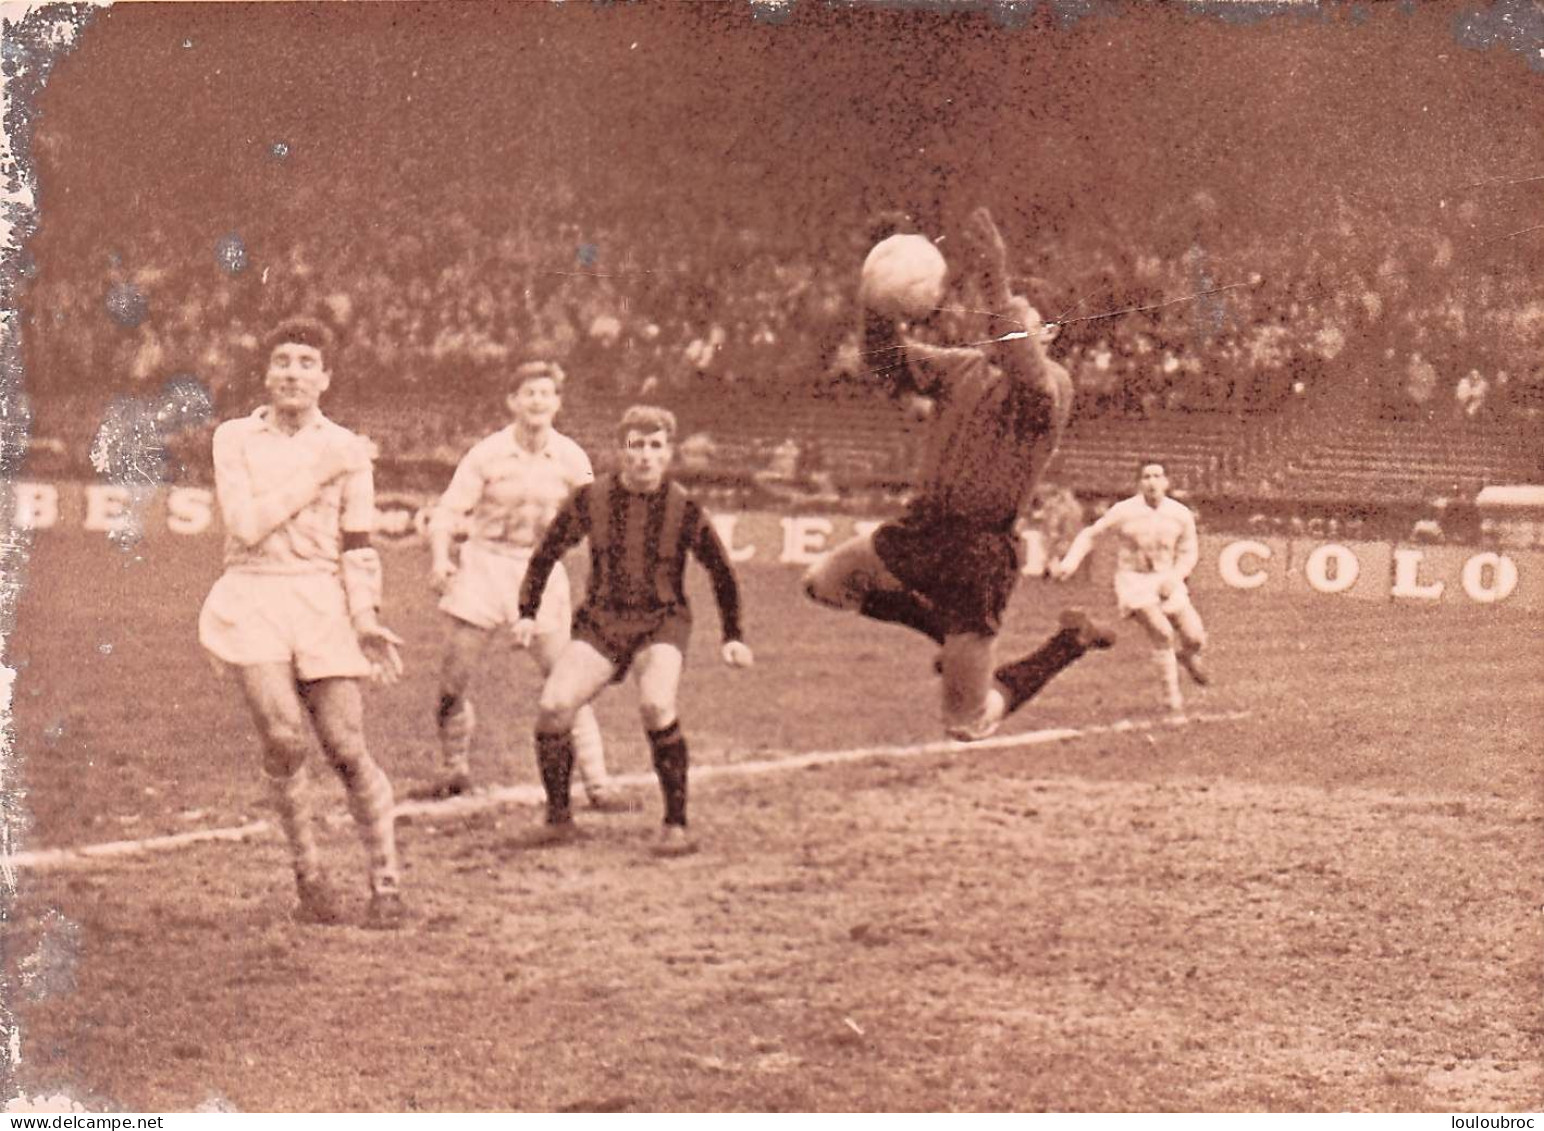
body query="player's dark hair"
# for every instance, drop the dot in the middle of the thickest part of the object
(300, 331)
(646, 418)
(535, 371)
(1147, 463)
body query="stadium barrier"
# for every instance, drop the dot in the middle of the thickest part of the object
(1356, 570)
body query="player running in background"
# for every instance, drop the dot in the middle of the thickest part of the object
(948, 565)
(511, 484)
(295, 613)
(641, 526)
(1156, 543)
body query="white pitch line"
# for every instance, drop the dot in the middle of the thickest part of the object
(45, 858)
(482, 800)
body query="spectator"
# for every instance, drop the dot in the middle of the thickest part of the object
(1470, 394)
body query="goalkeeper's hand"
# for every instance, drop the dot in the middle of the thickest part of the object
(992, 254)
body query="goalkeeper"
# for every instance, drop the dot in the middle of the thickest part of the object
(948, 565)
(294, 615)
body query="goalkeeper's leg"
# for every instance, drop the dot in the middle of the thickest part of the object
(978, 698)
(853, 577)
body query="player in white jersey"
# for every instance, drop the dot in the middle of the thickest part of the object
(506, 490)
(295, 614)
(1157, 550)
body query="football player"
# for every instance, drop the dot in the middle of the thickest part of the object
(948, 565)
(641, 526)
(509, 486)
(295, 614)
(1156, 542)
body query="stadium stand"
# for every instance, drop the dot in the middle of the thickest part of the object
(1314, 380)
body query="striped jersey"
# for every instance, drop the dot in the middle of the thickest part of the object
(639, 543)
(278, 517)
(992, 434)
(512, 494)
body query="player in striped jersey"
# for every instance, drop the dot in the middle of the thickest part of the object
(641, 526)
(507, 489)
(295, 614)
(948, 565)
(1156, 544)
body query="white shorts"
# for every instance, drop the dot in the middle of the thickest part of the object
(1136, 590)
(485, 591)
(282, 618)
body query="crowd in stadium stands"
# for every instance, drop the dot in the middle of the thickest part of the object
(648, 313)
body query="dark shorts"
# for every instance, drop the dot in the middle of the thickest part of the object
(620, 635)
(967, 572)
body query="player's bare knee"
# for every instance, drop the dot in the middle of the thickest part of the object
(284, 752)
(346, 754)
(816, 589)
(555, 712)
(454, 678)
(836, 590)
(1159, 632)
(1190, 633)
(656, 712)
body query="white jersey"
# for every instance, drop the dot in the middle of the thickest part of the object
(1151, 539)
(278, 517)
(511, 494)
(1156, 550)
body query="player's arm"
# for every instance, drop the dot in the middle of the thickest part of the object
(933, 368)
(885, 355)
(568, 529)
(1082, 544)
(1015, 328)
(582, 471)
(251, 515)
(466, 487)
(1187, 550)
(709, 549)
(364, 578)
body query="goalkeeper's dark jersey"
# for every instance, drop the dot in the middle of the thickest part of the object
(992, 434)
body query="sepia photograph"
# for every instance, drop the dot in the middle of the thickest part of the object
(772, 556)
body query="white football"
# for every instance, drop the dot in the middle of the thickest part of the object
(903, 277)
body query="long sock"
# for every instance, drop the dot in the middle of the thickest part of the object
(373, 807)
(294, 806)
(1024, 678)
(904, 609)
(456, 721)
(1168, 671)
(668, 746)
(555, 759)
(589, 751)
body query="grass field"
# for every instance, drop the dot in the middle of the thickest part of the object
(1334, 902)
